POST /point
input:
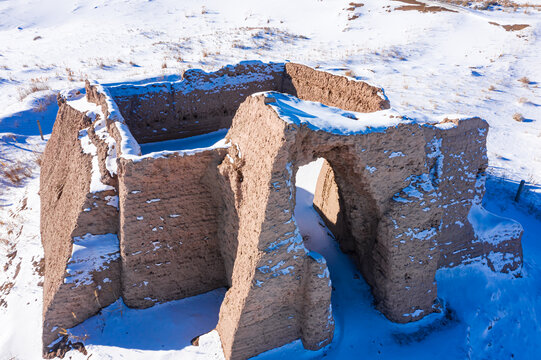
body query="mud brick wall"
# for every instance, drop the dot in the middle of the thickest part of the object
(168, 228)
(316, 292)
(200, 103)
(454, 161)
(463, 164)
(398, 200)
(274, 281)
(332, 90)
(370, 225)
(65, 194)
(204, 102)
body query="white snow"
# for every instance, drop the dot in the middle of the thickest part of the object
(128, 144)
(430, 65)
(331, 119)
(396, 154)
(182, 147)
(491, 228)
(371, 169)
(112, 200)
(96, 185)
(81, 104)
(188, 145)
(91, 253)
(414, 313)
(121, 332)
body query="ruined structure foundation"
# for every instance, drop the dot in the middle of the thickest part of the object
(160, 191)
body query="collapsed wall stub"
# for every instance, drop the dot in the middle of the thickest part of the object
(178, 223)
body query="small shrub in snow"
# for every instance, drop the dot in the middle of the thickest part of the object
(15, 172)
(518, 117)
(37, 84)
(42, 104)
(524, 80)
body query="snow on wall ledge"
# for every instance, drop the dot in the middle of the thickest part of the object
(179, 176)
(91, 253)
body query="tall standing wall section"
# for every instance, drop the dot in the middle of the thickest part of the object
(402, 197)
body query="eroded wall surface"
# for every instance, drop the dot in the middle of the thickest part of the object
(169, 228)
(77, 285)
(200, 103)
(404, 199)
(275, 282)
(456, 158)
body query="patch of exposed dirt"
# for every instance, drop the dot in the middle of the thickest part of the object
(10, 257)
(514, 27)
(39, 266)
(421, 7)
(17, 269)
(5, 289)
(352, 7)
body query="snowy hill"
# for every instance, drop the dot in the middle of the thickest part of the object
(459, 60)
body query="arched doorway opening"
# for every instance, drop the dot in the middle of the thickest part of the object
(350, 291)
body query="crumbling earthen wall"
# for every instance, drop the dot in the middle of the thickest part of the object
(463, 162)
(374, 220)
(65, 194)
(189, 222)
(169, 228)
(204, 102)
(338, 91)
(200, 103)
(457, 160)
(274, 282)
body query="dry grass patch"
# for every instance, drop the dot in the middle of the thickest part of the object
(36, 84)
(524, 80)
(71, 74)
(41, 105)
(15, 172)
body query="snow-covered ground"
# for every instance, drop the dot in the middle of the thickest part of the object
(430, 65)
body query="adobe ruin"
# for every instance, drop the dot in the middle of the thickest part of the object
(403, 197)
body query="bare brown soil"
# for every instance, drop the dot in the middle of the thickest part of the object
(353, 6)
(63, 346)
(421, 7)
(514, 27)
